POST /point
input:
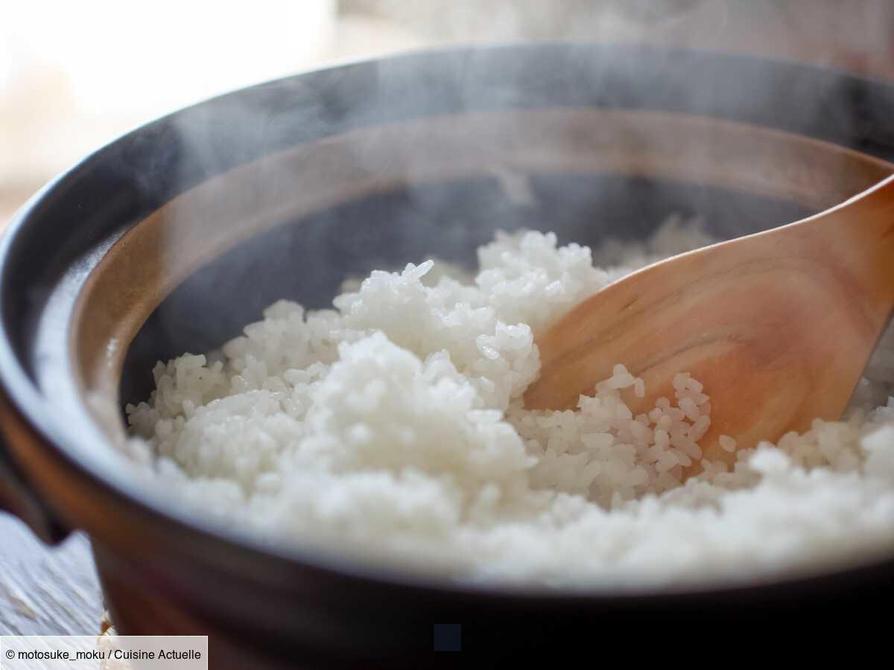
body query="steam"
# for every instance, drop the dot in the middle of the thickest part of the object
(826, 32)
(392, 223)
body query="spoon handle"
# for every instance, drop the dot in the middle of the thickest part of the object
(857, 236)
(778, 325)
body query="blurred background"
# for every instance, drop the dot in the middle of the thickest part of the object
(74, 75)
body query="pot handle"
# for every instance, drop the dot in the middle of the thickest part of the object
(18, 498)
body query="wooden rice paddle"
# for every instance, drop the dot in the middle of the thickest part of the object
(778, 326)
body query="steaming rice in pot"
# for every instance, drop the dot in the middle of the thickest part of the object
(392, 428)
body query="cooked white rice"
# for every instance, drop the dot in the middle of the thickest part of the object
(391, 429)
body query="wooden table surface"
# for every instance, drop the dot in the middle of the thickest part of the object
(46, 591)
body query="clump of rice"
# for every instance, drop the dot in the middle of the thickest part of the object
(392, 428)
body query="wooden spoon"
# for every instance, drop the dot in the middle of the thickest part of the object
(778, 326)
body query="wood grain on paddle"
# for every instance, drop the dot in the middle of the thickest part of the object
(778, 326)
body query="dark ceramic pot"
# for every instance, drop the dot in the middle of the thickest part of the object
(174, 236)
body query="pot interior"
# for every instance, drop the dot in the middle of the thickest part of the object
(307, 260)
(297, 223)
